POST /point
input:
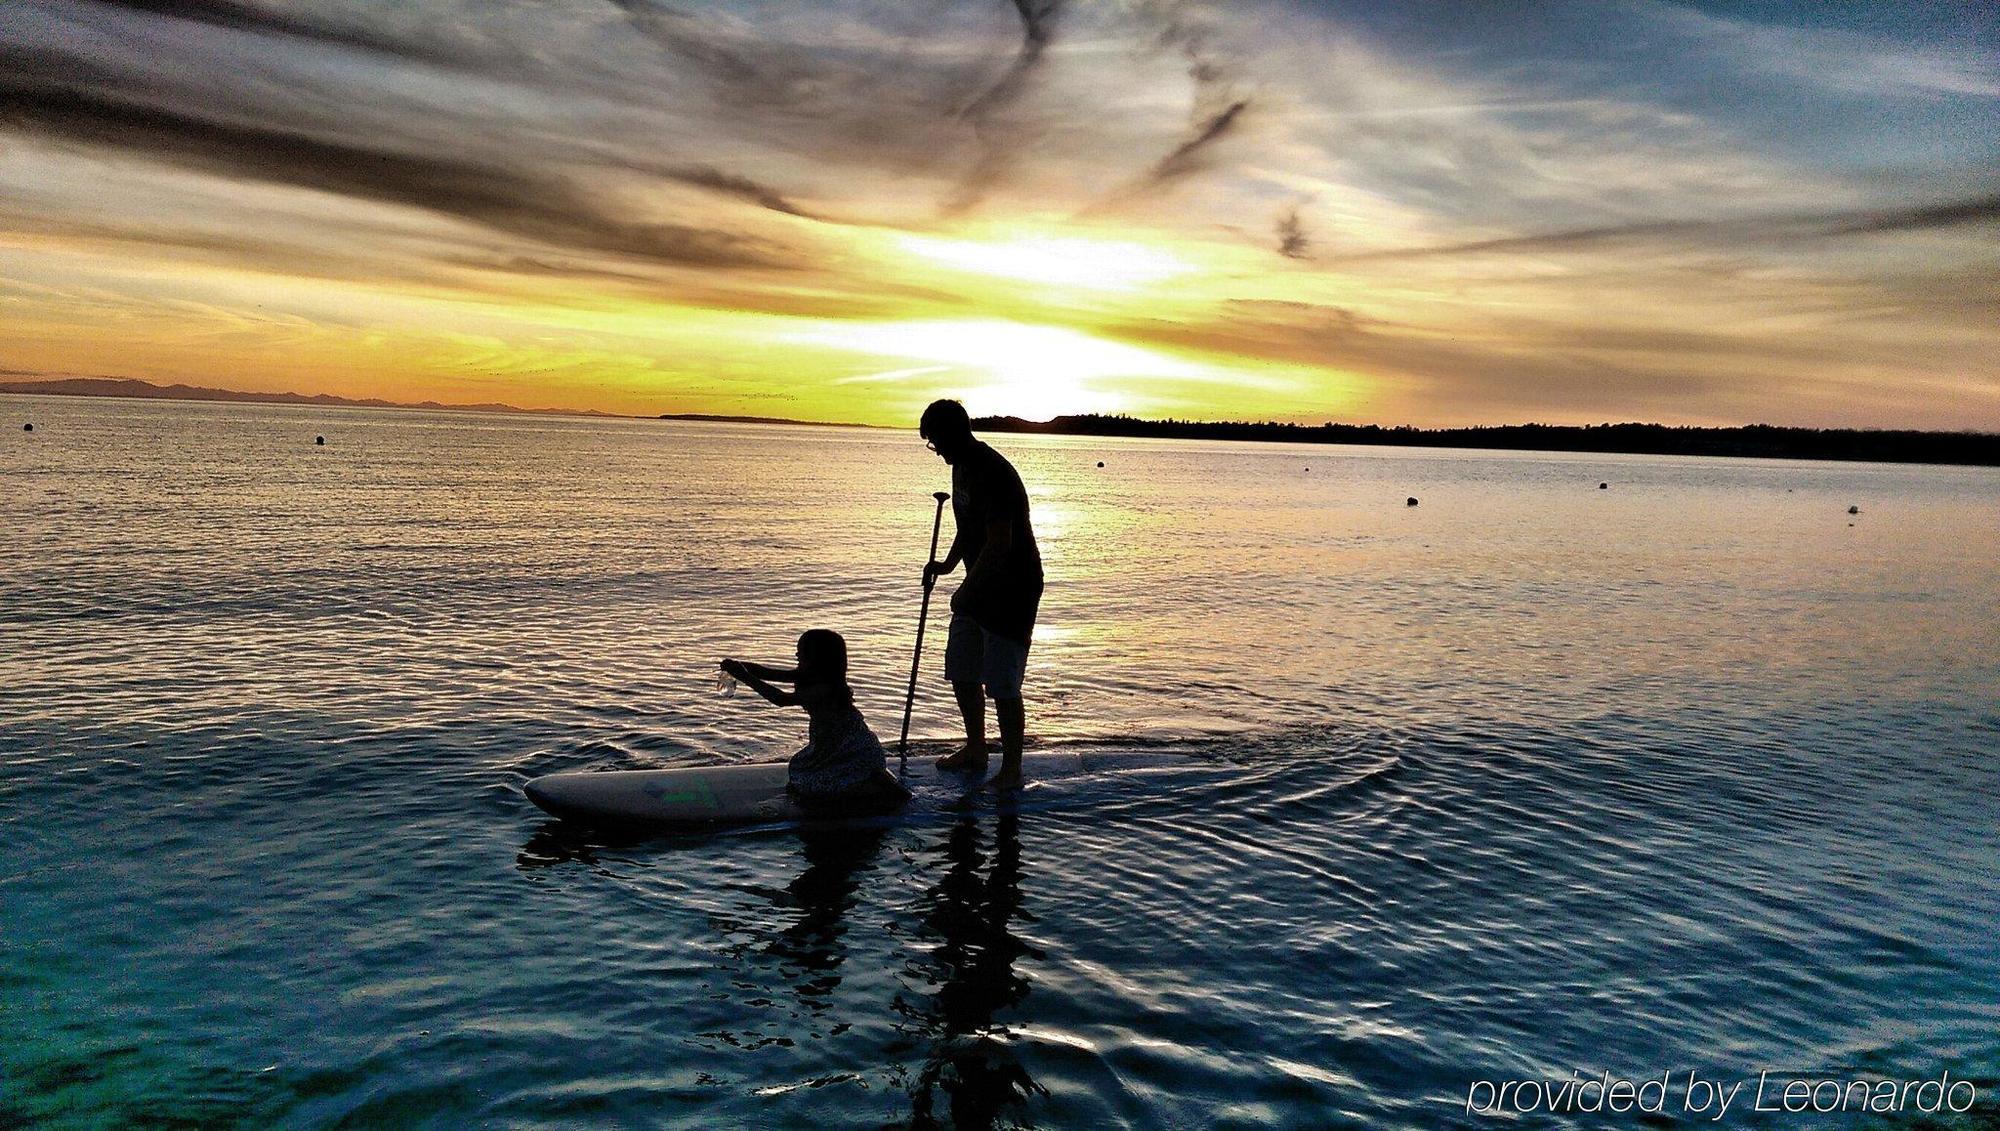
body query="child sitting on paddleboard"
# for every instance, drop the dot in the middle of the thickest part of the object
(842, 760)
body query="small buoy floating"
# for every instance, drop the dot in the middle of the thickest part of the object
(27, 428)
(1604, 486)
(1411, 501)
(1854, 510)
(320, 441)
(1100, 463)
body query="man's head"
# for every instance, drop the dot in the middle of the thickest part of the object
(947, 428)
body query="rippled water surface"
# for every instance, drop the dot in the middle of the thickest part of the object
(1697, 771)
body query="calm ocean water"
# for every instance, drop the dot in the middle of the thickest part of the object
(1697, 772)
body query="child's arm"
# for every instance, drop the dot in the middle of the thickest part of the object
(763, 671)
(742, 671)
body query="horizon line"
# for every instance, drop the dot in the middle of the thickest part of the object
(148, 390)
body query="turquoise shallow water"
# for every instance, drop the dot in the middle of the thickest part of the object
(1693, 773)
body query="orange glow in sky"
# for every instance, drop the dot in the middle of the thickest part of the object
(842, 211)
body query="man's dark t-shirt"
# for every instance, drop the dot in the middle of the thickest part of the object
(985, 487)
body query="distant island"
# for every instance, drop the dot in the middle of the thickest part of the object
(146, 390)
(1752, 441)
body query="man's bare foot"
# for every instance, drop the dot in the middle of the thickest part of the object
(1009, 777)
(967, 757)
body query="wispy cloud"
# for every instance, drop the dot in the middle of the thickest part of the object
(984, 112)
(1292, 241)
(1186, 157)
(311, 27)
(1731, 233)
(739, 186)
(1838, 60)
(892, 375)
(539, 207)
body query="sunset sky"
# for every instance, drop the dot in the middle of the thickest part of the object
(1422, 213)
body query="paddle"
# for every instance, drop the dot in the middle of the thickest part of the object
(910, 700)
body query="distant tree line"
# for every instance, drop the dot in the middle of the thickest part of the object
(1755, 440)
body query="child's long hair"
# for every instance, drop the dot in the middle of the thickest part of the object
(823, 659)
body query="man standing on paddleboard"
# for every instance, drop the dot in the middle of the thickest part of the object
(993, 612)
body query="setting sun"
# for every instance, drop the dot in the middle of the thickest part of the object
(1000, 367)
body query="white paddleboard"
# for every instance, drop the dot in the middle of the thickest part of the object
(712, 796)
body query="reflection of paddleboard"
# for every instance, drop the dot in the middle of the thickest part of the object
(708, 796)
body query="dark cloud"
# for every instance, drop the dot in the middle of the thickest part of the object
(1186, 158)
(1491, 380)
(934, 96)
(1978, 210)
(1733, 232)
(1217, 104)
(1038, 19)
(741, 187)
(1526, 368)
(904, 96)
(755, 72)
(66, 63)
(1292, 241)
(1546, 241)
(283, 257)
(883, 100)
(540, 207)
(264, 20)
(684, 36)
